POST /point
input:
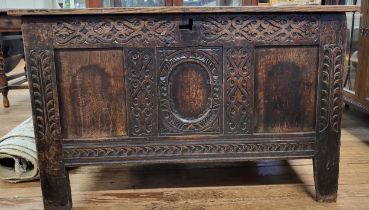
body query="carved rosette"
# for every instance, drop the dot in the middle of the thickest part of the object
(331, 91)
(45, 113)
(238, 90)
(209, 120)
(141, 91)
(114, 30)
(260, 28)
(186, 149)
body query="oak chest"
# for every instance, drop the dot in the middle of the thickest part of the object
(185, 85)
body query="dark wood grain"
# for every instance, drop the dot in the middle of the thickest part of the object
(259, 29)
(45, 112)
(55, 182)
(160, 30)
(331, 65)
(114, 31)
(142, 91)
(92, 92)
(286, 86)
(239, 90)
(190, 90)
(217, 150)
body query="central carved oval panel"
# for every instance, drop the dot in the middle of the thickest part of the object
(190, 92)
(189, 88)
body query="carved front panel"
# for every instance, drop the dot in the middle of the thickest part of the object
(130, 31)
(260, 29)
(286, 89)
(190, 90)
(142, 103)
(239, 88)
(92, 92)
(159, 31)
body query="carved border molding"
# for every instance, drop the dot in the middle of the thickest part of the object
(210, 60)
(186, 149)
(141, 91)
(164, 31)
(238, 88)
(331, 91)
(261, 28)
(45, 113)
(114, 30)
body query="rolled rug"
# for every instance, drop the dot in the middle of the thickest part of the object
(18, 157)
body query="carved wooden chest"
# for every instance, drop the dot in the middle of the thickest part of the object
(193, 84)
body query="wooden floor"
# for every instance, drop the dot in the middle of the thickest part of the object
(256, 185)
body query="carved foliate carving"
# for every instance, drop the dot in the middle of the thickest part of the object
(114, 30)
(331, 92)
(238, 90)
(130, 31)
(141, 91)
(260, 28)
(205, 62)
(186, 149)
(45, 113)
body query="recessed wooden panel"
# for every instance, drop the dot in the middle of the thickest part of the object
(286, 89)
(190, 90)
(91, 88)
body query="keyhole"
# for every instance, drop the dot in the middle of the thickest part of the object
(187, 26)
